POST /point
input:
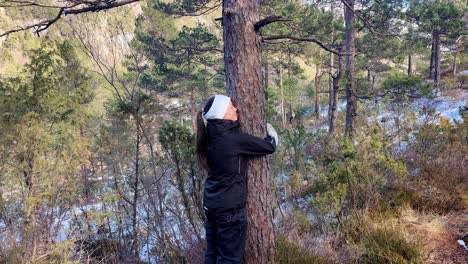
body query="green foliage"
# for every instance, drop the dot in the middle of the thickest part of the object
(355, 180)
(42, 111)
(401, 86)
(180, 61)
(177, 141)
(53, 85)
(271, 103)
(295, 142)
(181, 7)
(444, 16)
(179, 144)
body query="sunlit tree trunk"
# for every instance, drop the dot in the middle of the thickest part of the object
(350, 39)
(242, 58)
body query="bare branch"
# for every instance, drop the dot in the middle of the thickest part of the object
(202, 49)
(75, 9)
(50, 22)
(99, 7)
(302, 39)
(269, 20)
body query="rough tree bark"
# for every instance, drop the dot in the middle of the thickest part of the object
(410, 66)
(334, 94)
(458, 43)
(242, 58)
(317, 82)
(283, 111)
(434, 69)
(330, 88)
(350, 39)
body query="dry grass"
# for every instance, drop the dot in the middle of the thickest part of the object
(438, 233)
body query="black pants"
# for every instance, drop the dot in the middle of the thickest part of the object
(225, 237)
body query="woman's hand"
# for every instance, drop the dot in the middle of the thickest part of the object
(271, 132)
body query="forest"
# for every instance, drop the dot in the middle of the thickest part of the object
(98, 105)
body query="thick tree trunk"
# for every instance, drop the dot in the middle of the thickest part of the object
(242, 58)
(350, 37)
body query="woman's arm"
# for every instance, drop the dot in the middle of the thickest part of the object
(251, 145)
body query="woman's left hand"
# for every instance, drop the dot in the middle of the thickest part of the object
(272, 133)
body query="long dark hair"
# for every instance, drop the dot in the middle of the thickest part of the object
(202, 137)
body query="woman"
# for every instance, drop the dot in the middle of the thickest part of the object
(223, 151)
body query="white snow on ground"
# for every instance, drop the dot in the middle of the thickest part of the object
(462, 243)
(446, 104)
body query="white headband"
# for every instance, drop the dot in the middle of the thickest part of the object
(218, 108)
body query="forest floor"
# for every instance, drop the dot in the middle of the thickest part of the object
(447, 250)
(442, 233)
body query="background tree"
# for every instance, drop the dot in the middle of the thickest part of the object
(440, 19)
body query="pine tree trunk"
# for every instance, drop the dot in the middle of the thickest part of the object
(350, 37)
(283, 112)
(242, 58)
(318, 77)
(437, 60)
(336, 83)
(266, 75)
(84, 174)
(193, 109)
(330, 87)
(330, 76)
(410, 66)
(433, 55)
(134, 247)
(457, 49)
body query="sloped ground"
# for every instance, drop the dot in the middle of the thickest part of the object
(439, 234)
(447, 249)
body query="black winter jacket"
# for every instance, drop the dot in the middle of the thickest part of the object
(228, 150)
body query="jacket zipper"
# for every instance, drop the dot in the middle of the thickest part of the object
(238, 168)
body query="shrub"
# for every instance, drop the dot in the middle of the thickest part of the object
(437, 158)
(357, 178)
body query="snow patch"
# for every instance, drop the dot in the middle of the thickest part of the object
(462, 243)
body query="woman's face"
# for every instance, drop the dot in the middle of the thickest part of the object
(231, 113)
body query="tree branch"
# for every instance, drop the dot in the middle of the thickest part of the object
(302, 39)
(269, 20)
(16, 3)
(75, 9)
